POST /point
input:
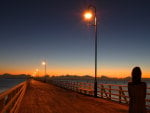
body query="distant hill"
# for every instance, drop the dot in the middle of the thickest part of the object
(72, 77)
(7, 75)
(103, 77)
(88, 77)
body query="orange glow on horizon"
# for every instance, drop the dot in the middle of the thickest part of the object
(118, 73)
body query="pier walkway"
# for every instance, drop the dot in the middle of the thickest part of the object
(46, 98)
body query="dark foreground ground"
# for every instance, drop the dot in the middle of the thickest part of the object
(45, 98)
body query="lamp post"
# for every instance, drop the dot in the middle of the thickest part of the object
(93, 17)
(37, 72)
(44, 64)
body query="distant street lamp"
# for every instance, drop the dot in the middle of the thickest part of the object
(44, 64)
(34, 73)
(91, 16)
(37, 72)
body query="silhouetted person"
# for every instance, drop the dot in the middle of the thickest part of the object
(137, 92)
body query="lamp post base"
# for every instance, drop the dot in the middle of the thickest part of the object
(95, 89)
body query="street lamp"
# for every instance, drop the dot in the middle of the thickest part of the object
(34, 73)
(44, 64)
(91, 16)
(37, 72)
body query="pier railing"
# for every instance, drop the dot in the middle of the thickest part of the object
(113, 92)
(10, 99)
(117, 93)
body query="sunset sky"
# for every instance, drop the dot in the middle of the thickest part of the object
(54, 30)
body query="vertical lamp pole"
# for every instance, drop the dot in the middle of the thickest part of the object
(89, 16)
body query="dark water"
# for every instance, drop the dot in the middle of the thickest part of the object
(7, 83)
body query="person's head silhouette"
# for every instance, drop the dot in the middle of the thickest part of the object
(136, 75)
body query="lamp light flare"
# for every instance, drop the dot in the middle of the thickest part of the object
(43, 63)
(88, 15)
(34, 73)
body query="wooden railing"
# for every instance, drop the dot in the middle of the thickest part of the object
(113, 92)
(10, 100)
(118, 93)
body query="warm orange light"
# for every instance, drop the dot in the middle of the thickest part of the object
(43, 63)
(88, 15)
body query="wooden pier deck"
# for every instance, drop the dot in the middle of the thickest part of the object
(46, 98)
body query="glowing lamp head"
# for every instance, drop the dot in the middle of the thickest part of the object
(88, 15)
(43, 63)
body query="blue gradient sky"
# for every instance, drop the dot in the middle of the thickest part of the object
(31, 30)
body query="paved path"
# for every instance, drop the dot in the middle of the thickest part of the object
(45, 98)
